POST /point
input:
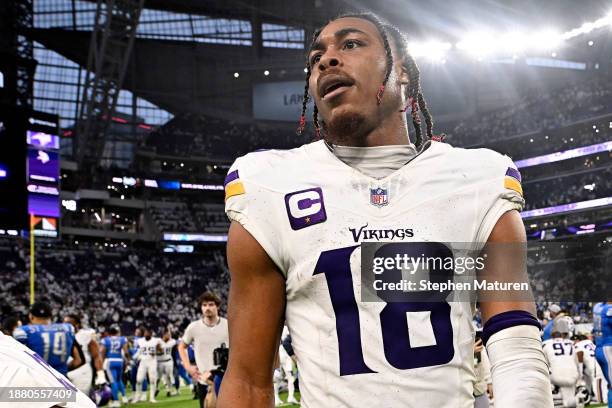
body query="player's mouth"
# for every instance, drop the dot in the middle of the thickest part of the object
(333, 85)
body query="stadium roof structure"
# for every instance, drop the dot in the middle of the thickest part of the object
(198, 76)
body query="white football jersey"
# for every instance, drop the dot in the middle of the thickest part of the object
(84, 337)
(588, 349)
(147, 349)
(310, 212)
(166, 346)
(562, 360)
(21, 367)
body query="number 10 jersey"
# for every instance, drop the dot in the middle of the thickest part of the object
(310, 212)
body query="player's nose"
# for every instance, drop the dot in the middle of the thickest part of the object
(328, 60)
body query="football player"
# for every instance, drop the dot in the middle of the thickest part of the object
(148, 349)
(134, 369)
(602, 329)
(86, 338)
(115, 349)
(565, 369)
(165, 363)
(585, 351)
(299, 218)
(54, 342)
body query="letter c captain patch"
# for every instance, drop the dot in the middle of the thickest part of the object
(305, 208)
(233, 185)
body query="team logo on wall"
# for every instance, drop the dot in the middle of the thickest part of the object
(305, 208)
(379, 197)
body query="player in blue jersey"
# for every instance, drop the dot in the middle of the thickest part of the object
(114, 348)
(602, 330)
(54, 342)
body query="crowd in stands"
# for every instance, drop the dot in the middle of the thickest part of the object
(536, 112)
(550, 141)
(190, 217)
(173, 219)
(124, 288)
(593, 162)
(191, 134)
(564, 190)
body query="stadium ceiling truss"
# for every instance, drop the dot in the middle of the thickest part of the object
(109, 54)
(16, 20)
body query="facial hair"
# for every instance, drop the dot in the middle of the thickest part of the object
(346, 129)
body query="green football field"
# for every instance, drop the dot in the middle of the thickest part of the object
(185, 400)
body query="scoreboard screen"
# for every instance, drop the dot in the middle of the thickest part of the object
(43, 172)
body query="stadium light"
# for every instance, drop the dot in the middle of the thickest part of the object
(236, 74)
(545, 40)
(478, 44)
(433, 50)
(266, 72)
(514, 42)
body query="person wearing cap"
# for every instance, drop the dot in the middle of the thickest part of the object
(554, 311)
(54, 342)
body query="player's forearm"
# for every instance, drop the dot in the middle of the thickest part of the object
(184, 356)
(98, 363)
(518, 369)
(97, 360)
(238, 392)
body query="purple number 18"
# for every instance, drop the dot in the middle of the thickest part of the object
(335, 265)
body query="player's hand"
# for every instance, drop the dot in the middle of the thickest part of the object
(194, 373)
(100, 378)
(478, 347)
(490, 391)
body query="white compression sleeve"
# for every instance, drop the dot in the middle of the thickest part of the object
(519, 369)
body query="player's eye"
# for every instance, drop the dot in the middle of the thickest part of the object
(315, 59)
(350, 44)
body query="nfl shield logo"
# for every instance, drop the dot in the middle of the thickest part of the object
(379, 197)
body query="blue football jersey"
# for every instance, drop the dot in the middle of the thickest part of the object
(602, 324)
(113, 346)
(135, 346)
(53, 342)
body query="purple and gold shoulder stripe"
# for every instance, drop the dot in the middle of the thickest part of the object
(512, 180)
(233, 185)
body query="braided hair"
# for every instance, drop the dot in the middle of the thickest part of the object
(414, 95)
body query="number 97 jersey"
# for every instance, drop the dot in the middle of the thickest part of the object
(310, 212)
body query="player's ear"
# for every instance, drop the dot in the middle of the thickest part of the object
(402, 71)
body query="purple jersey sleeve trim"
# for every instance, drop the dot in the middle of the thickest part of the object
(231, 177)
(512, 172)
(508, 319)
